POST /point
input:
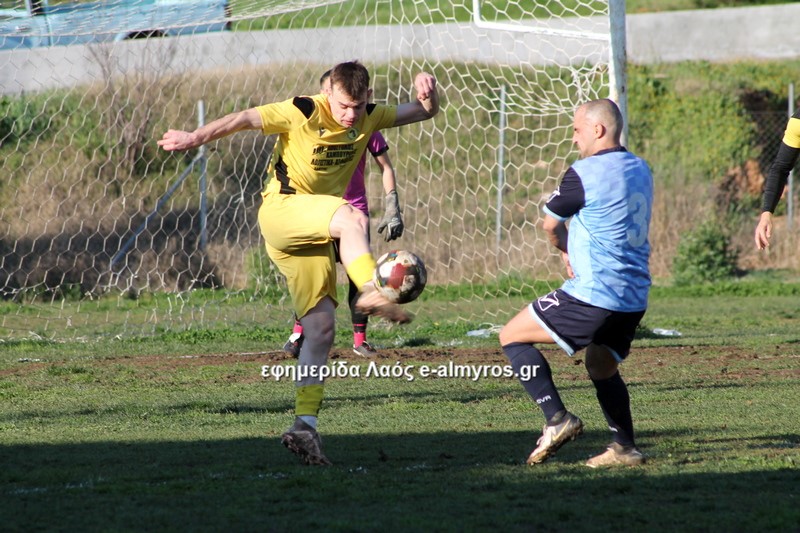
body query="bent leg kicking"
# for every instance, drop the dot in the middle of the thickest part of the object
(350, 226)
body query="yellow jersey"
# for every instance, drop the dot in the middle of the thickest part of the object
(314, 153)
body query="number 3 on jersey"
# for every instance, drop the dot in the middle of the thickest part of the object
(638, 208)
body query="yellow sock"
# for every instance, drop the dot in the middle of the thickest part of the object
(308, 399)
(360, 270)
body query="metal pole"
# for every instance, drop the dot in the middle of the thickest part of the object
(161, 201)
(199, 159)
(617, 62)
(201, 116)
(501, 156)
(790, 182)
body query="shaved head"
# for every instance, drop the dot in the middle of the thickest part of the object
(597, 126)
(606, 113)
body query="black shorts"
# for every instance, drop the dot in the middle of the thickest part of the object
(574, 324)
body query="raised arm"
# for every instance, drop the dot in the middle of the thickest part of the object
(178, 140)
(426, 105)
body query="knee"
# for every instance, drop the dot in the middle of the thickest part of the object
(321, 334)
(319, 324)
(599, 362)
(362, 222)
(505, 336)
(355, 219)
(348, 220)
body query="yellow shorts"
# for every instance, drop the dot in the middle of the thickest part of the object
(296, 229)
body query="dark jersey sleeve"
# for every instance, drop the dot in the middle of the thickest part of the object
(568, 198)
(778, 175)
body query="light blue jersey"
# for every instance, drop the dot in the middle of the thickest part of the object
(608, 244)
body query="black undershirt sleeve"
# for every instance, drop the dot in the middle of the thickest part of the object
(778, 175)
(569, 198)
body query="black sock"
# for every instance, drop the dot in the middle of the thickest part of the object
(528, 362)
(612, 393)
(356, 317)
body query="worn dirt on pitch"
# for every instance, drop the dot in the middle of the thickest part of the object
(717, 362)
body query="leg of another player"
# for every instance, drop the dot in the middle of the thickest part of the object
(359, 321)
(292, 345)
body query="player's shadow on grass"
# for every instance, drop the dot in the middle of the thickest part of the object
(332, 396)
(471, 480)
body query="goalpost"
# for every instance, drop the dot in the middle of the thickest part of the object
(92, 245)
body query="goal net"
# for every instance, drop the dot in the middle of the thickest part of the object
(102, 234)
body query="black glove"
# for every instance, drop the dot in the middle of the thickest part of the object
(392, 220)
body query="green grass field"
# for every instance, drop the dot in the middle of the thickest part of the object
(181, 433)
(178, 430)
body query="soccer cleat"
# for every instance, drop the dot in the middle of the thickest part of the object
(372, 302)
(365, 350)
(617, 455)
(293, 345)
(553, 437)
(304, 441)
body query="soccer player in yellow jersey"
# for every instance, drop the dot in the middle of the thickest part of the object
(321, 140)
(391, 225)
(788, 152)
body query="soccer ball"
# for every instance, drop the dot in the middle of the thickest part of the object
(400, 276)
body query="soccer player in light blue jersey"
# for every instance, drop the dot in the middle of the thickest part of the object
(606, 196)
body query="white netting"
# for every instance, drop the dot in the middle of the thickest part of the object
(93, 215)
